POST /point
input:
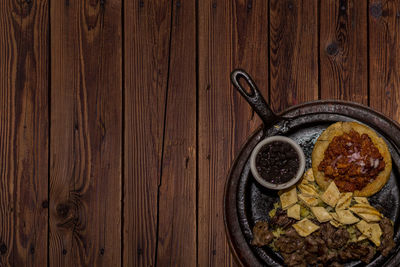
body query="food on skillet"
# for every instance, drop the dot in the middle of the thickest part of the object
(309, 226)
(354, 157)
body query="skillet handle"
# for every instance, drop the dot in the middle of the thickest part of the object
(255, 99)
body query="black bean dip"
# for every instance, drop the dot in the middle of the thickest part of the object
(277, 162)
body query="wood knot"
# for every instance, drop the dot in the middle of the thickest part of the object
(186, 162)
(178, 4)
(214, 252)
(64, 251)
(32, 250)
(249, 5)
(102, 251)
(332, 49)
(62, 210)
(3, 248)
(45, 204)
(141, 4)
(139, 251)
(102, 3)
(214, 5)
(376, 10)
(290, 5)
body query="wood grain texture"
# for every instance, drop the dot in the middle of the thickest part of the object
(147, 38)
(86, 126)
(384, 57)
(294, 52)
(177, 194)
(231, 34)
(23, 133)
(343, 50)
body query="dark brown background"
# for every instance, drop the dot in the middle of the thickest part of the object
(118, 122)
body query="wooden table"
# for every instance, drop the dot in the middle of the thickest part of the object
(118, 122)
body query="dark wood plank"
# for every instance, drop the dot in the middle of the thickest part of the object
(86, 126)
(147, 33)
(23, 133)
(343, 50)
(177, 199)
(231, 34)
(294, 52)
(384, 57)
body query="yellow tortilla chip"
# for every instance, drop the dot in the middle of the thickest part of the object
(361, 200)
(344, 201)
(305, 227)
(294, 212)
(321, 214)
(331, 195)
(308, 190)
(367, 212)
(335, 223)
(309, 201)
(371, 230)
(345, 217)
(309, 175)
(288, 198)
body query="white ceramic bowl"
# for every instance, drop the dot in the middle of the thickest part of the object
(295, 179)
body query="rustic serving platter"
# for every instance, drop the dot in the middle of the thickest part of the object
(246, 202)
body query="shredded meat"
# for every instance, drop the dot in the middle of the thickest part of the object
(314, 244)
(326, 232)
(319, 247)
(340, 238)
(334, 238)
(335, 264)
(281, 219)
(352, 161)
(329, 256)
(387, 242)
(294, 259)
(290, 242)
(261, 235)
(357, 251)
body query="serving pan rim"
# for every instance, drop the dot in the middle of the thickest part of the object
(323, 106)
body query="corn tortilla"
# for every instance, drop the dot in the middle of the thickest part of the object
(337, 129)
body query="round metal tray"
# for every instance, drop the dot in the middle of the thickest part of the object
(246, 202)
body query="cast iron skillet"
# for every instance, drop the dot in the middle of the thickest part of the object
(246, 202)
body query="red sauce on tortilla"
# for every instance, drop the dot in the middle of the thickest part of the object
(352, 161)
